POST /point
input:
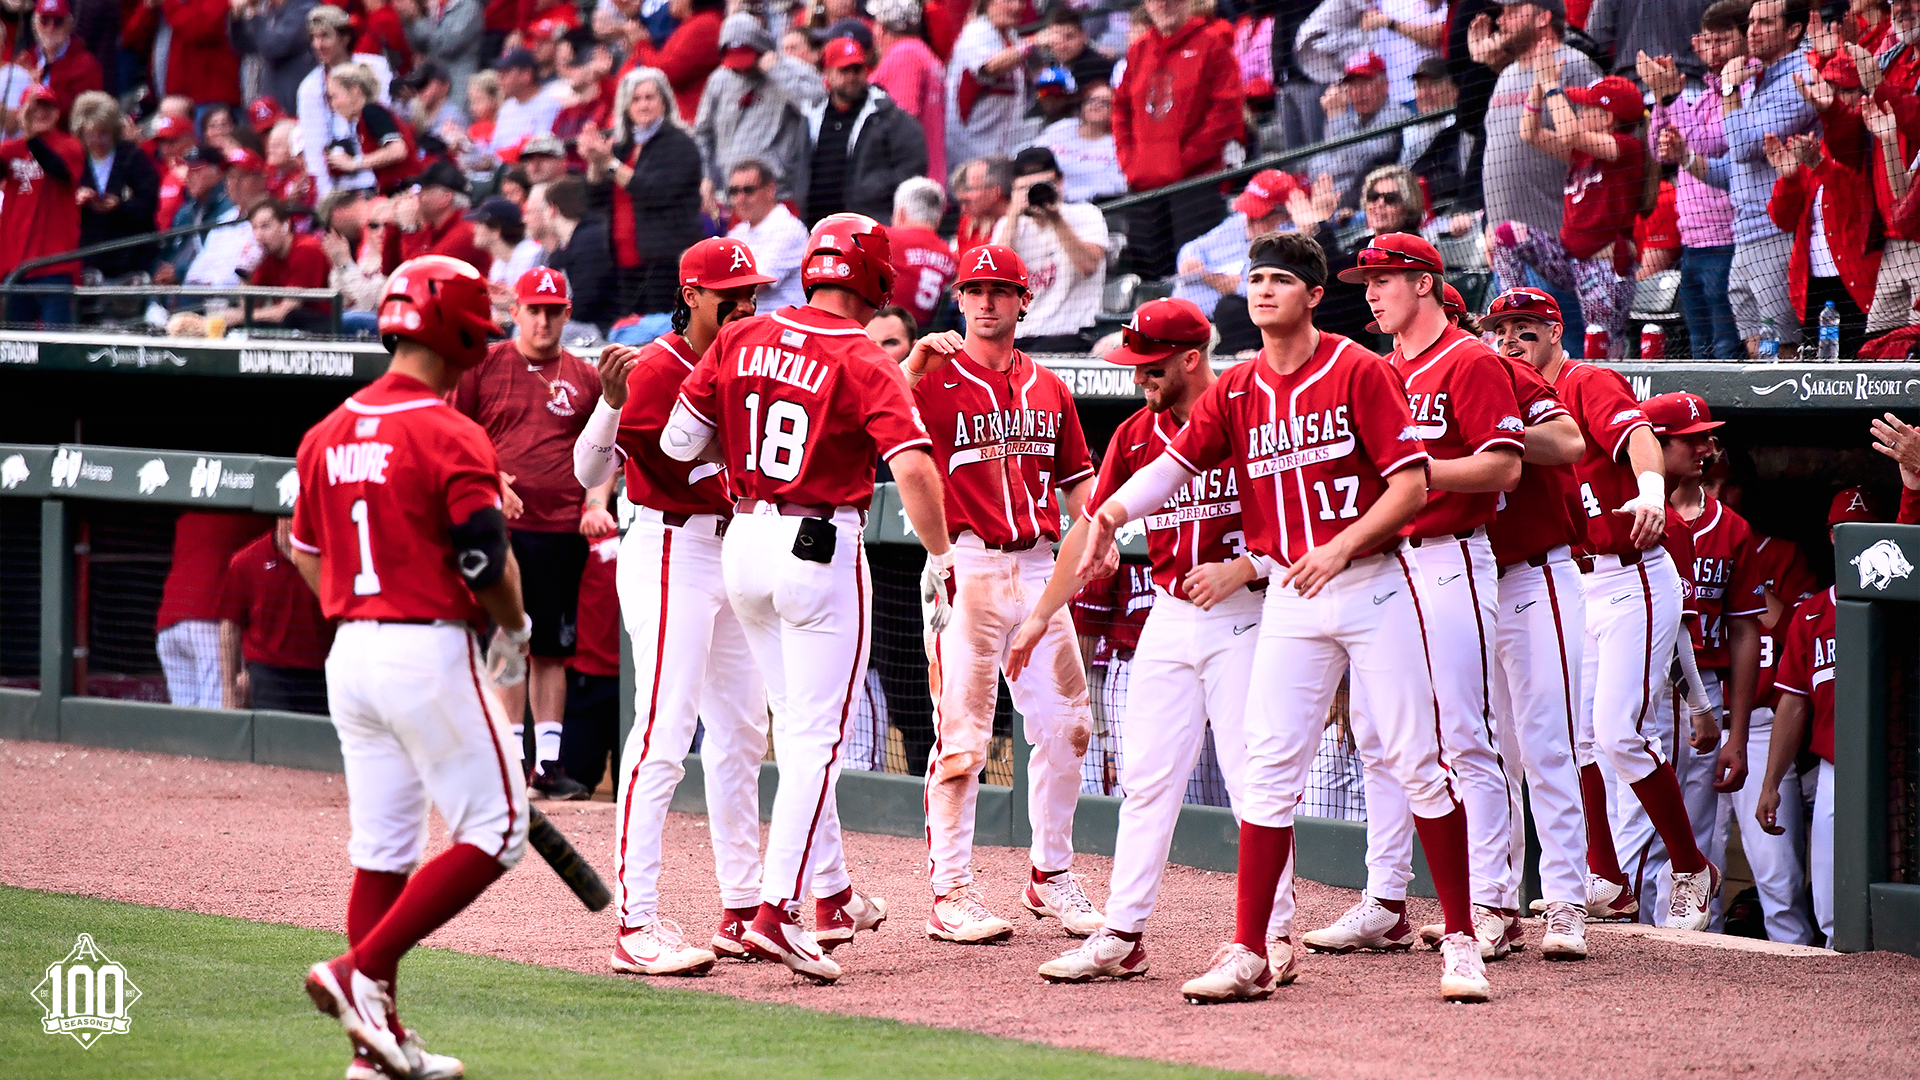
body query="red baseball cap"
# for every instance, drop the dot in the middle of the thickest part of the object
(1840, 72)
(543, 285)
(1452, 301)
(992, 262)
(720, 262)
(39, 92)
(246, 161)
(53, 7)
(1614, 94)
(544, 30)
(265, 112)
(1679, 414)
(1394, 251)
(1851, 504)
(842, 52)
(740, 57)
(1364, 65)
(172, 127)
(1158, 330)
(1522, 301)
(1266, 192)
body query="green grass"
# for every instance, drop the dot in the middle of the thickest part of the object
(222, 998)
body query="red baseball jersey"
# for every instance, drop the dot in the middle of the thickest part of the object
(1006, 442)
(1316, 446)
(382, 479)
(1462, 400)
(280, 618)
(596, 649)
(1726, 579)
(533, 413)
(1199, 524)
(923, 267)
(1538, 514)
(203, 545)
(802, 402)
(1114, 609)
(1602, 199)
(1780, 567)
(654, 479)
(1806, 665)
(1600, 399)
(1765, 693)
(1678, 541)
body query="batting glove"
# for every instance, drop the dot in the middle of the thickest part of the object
(507, 655)
(936, 591)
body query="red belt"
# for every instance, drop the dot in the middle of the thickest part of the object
(1012, 545)
(1536, 562)
(1585, 562)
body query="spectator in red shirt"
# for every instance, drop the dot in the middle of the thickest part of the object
(1605, 178)
(441, 228)
(59, 59)
(534, 397)
(923, 265)
(592, 727)
(188, 638)
(1176, 108)
(172, 138)
(289, 260)
(273, 637)
(287, 178)
(982, 187)
(381, 149)
(691, 53)
(1656, 234)
(200, 62)
(39, 214)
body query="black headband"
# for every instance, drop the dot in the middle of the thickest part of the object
(1313, 277)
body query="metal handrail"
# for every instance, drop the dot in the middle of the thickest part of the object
(104, 246)
(1215, 179)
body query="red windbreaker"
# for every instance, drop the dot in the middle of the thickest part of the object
(1179, 104)
(1852, 227)
(200, 62)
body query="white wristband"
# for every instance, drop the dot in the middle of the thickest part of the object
(1653, 488)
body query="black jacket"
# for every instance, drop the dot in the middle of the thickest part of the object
(885, 149)
(664, 193)
(587, 260)
(135, 181)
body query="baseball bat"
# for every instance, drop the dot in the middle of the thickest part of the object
(566, 861)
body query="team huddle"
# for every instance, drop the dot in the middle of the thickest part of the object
(1479, 539)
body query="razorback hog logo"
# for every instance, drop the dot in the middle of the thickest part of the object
(1881, 565)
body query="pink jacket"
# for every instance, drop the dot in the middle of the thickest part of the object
(916, 80)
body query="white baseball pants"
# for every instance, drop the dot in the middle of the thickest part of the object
(189, 654)
(691, 663)
(994, 593)
(1778, 862)
(810, 627)
(417, 729)
(1642, 853)
(1820, 851)
(1633, 620)
(1191, 666)
(1371, 616)
(1539, 634)
(1459, 577)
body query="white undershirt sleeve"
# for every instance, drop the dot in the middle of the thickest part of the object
(593, 451)
(1150, 488)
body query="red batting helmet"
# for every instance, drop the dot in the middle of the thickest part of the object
(441, 303)
(851, 251)
(991, 262)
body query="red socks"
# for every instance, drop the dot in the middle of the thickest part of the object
(1602, 859)
(1398, 907)
(374, 891)
(1264, 854)
(1444, 839)
(1041, 877)
(1659, 794)
(437, 892)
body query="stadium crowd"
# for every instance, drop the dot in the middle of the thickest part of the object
(1582, 148)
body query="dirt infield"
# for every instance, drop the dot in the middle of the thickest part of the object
(268, 843)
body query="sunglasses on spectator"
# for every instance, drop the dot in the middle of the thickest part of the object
(738, 190)
(1391, 198)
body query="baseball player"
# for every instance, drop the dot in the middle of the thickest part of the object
(1464, 410)
(398, 529)
(1195, 653)
(1335, 473)
(1011, 453)
(798, 404)
(1633, 600)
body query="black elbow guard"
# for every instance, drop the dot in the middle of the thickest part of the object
(480, 547)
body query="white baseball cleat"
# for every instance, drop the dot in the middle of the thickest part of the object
(426, 1066)
(1102, 954)
(1236, 973)
(1283, 960)
(1566, 936)
(1060, 897)
(1607, 901)
(1689, 897)
(835, 924)
(657, 948)
(781, 940)
(361, 1005)
(960, 916)
(1365, 925)
(1463, 975)
(1495, 930)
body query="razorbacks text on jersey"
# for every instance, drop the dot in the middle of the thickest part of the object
(1199, 524)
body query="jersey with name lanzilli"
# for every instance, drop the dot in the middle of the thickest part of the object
(1199, 524)
(1317, 445)
(655, 480)
(1462, 401)
(1006, 443)
(802, 402)
(382, 480)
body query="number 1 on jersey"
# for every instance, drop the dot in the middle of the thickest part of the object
(1348, 486)
(366, 582)
(779, 452)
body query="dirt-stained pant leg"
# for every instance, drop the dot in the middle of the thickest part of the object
(964, 669)
(1051, 697)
